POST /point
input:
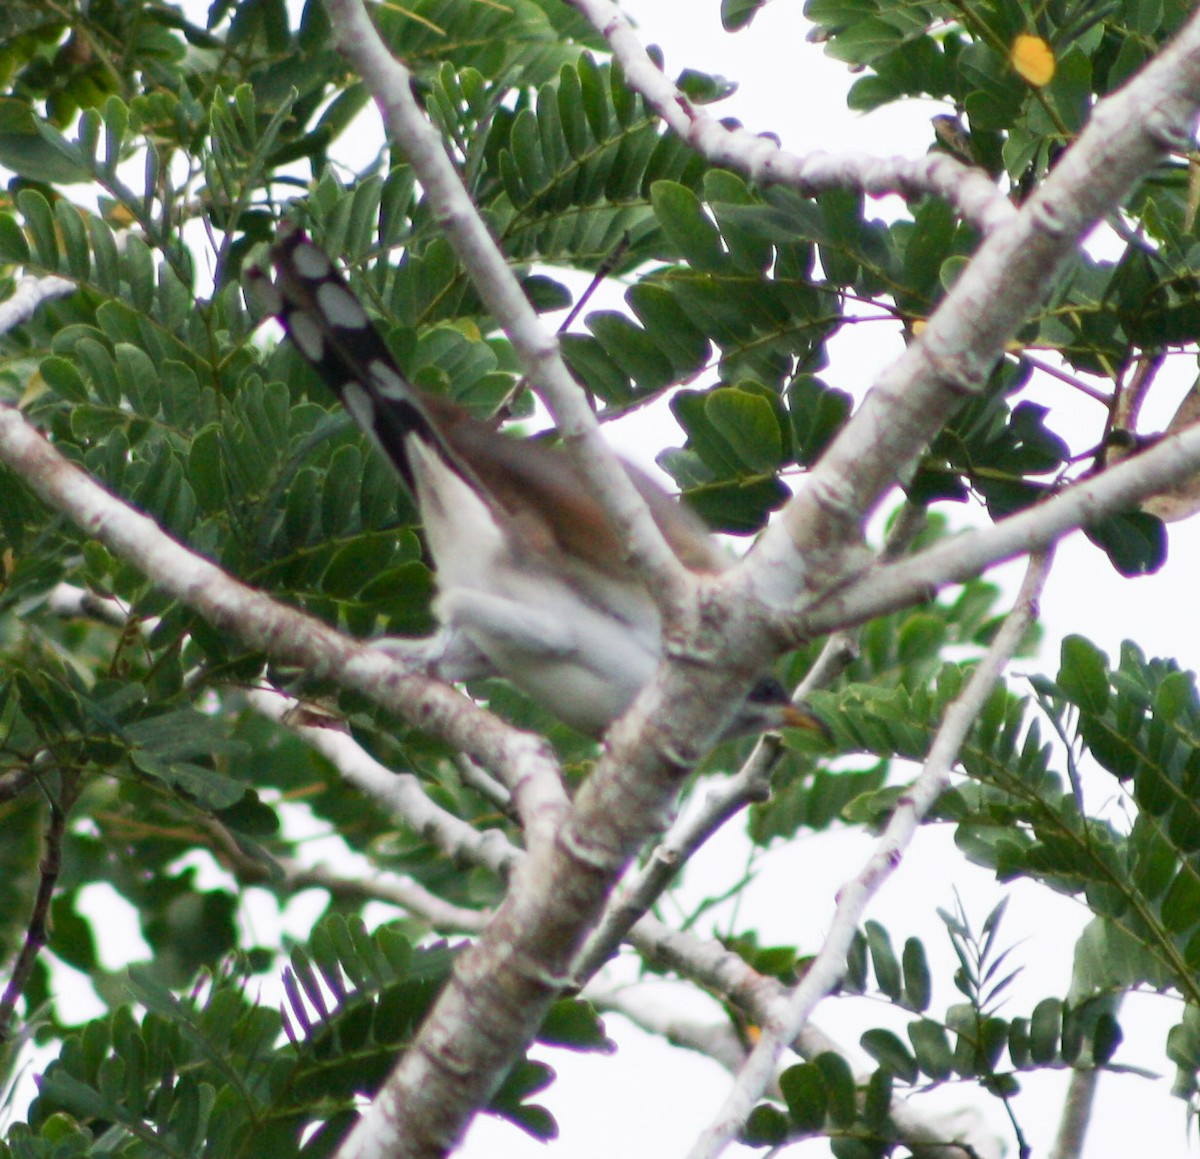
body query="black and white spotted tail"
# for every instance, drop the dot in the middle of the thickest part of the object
(331, 329)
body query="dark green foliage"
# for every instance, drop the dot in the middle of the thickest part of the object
(969, 1042)
(213, 1075)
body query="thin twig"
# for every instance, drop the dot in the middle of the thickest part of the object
(967, 188)
(830, 963)
(37, 932)
(399, 793)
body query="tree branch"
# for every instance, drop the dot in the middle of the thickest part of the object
(751, 783)
(1126, 137)
(398, 793)
(885, 589)
(829, 965)
(723, 972)
(715, 1040)
(29, 294)
(256, 619)
(390, 83)
(971, 192)
(725, 800)
(70, 601)
(394, 889)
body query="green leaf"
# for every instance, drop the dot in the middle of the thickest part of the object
(931, 1045)
(818, 413)
(688, 227)
(13, 246)
(887, 1050)
(632, 350)
(106, 266)
(592, 366)
(921, 637)
(1083, 674)
(71, 226)
(339, 498)
(735, 507)
(249, 815)
(917, 982)
(1135, 543)
(669, 327)
(883, 960)
(737, 14)
(574, 1023)
(73, 938)
(803, 1089)
(865, 42)
(1045, 1030)
(841, 1095)
(1018, 1042)
(35, 151)
(877, 1104)
(64, 379)
(749, 425)
(355, 564)
(767, 1126)
(1106, 1038)
(39, 220)
(1181, 906)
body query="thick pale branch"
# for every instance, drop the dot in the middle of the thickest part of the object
(881, 590)
(727, 797)
(829, 965)
(392, 888)
(715, 1040)
(969, 190)
(731, 794)
(1014, 269)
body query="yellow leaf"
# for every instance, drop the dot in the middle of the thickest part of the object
(35, 387)
(1033, 59)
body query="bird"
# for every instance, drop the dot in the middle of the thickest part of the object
(532, 582)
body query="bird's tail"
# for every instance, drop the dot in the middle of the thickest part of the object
(331, 329)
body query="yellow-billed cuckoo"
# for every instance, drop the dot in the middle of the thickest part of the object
(532, 579)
